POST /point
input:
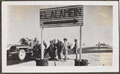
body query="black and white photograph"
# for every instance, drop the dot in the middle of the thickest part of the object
(60, 36)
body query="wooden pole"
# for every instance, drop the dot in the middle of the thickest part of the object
(80, 50)
(42, 50)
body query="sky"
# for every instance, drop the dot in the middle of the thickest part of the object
(24, 21)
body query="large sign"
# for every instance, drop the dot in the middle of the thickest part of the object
(62, 16)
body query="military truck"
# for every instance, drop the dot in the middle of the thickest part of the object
(21, 51)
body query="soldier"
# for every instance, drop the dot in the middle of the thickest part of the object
(59, 49)
(50, 50)
(29, 41)
(35, 41)
(36, 48)
(75, 48)
(23, 41)
(54, 49)
(65, 49)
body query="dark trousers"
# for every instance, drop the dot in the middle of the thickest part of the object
(52, 54)
(59, 54)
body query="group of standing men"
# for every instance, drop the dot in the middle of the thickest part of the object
(58, 48)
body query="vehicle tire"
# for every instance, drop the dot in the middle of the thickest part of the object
(22, 54)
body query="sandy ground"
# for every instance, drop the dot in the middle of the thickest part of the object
(94, 59)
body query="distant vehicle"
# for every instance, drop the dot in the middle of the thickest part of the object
(102, 45)
(20, 52)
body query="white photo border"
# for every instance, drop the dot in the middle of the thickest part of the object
(38, 69)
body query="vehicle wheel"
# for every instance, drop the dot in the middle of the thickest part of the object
(22, 54)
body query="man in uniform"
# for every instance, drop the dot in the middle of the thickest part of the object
(59, 49)
(65, 48)
(50, 50)
(75, 48)
(54, 49)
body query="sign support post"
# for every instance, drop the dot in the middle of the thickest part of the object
(42, 53)
(80, 50)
